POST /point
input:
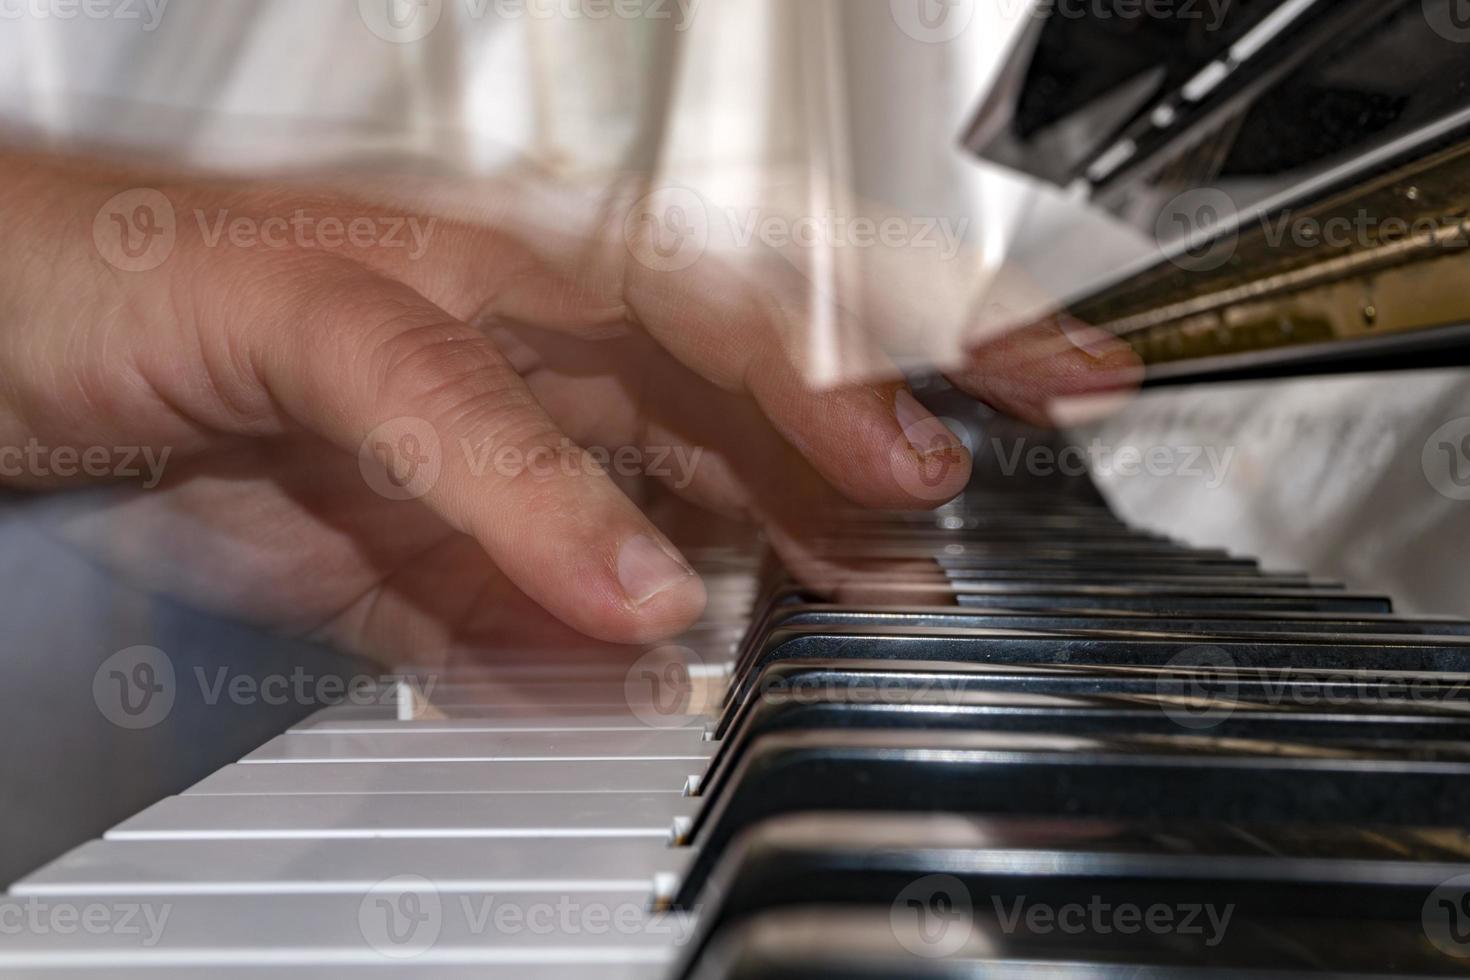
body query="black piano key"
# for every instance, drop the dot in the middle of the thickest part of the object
(1038, 617)
(1173, 600)
(940, 618)
(1019, 579)
(1139, 578)
(1154, 778)
(900, 644)
(1171, 597)
(1122, 549)
(1432, 692)
(1376, 877)
(844, 943)
(1391, 726)
(1176, 564)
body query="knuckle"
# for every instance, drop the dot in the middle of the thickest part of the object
(465, 390)
(442, 370)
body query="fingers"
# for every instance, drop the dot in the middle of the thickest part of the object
(750, 328)
(875, 443)
(437, 415)
(707, 445)
(726, 456)
(1030, 372)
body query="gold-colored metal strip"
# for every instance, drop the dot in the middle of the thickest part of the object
(1404, 267)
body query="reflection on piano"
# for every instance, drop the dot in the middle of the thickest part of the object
(1019, 738)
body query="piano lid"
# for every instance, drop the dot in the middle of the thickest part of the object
(1302, 165)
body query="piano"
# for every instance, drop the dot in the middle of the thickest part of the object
(1020, 737)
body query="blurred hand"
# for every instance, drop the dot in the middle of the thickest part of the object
(373, 417)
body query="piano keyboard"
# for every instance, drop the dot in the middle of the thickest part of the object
(1022, 739)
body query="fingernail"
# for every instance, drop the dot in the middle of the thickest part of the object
(1092, 341)
(645, 569)
(926, 434)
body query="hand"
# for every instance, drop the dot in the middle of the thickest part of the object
(277, 376)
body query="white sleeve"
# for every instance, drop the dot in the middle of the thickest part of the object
(258, 84)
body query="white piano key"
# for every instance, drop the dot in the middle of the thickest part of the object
(496, 720)
(561, 694)
(388, 970)
(345, 815)
(403, 919)
(522, 665)
(561, 776)
(175, 867)
(678, 743)
(617, 696)
(599, 664)
(558, 699)
(353, 717)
